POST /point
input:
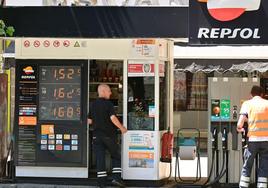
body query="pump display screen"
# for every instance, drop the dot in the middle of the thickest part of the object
(59, 92)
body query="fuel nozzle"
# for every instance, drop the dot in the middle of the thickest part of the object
(234, 112)
(244, 136)
(214, 139)
(224, 139)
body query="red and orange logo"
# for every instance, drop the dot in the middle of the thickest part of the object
(227, 10)
(28, 70)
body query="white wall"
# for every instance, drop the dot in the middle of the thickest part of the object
(24, 2)
(221, 52)
(98, 2)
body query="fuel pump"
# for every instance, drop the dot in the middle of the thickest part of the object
(225, 151)
(224, 143)
(214, 144)
(225, 96)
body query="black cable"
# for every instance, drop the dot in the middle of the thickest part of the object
(223, 171)
(176, 164)
(211, 168)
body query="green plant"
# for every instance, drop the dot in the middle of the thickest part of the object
(6, 30)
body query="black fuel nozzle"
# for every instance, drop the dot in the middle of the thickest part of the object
(224, 139)
(235, 112)
(245, 136)
(214, 139)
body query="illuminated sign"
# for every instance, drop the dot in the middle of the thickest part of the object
(227, 10)
(59, 93)
(228, 22)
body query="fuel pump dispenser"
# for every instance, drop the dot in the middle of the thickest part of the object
(225, 97)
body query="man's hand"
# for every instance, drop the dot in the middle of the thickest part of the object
(240, 130)
(242, 119)
(117, 123)
(123, 130)
(89, 121)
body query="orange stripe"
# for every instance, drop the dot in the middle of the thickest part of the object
(258, 134)
(258, 125)
(255, 116)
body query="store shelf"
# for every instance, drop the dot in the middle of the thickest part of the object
(108, 83)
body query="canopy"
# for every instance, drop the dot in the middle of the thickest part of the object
(247, 67)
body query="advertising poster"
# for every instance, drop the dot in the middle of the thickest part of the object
(140, 68)
(225, 109)
(180, 91)
(47, 129)
(141, 150)
(215, 110)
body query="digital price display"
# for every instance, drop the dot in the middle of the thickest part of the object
(59, 92)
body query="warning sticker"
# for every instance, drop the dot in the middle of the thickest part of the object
(56, 43)
(46, 43)
(26, 43)
(36, 43)
(66, 43)
(76, 44)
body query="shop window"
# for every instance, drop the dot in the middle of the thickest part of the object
(141, 103)
(190, 91)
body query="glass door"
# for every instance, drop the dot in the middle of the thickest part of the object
(109, 72)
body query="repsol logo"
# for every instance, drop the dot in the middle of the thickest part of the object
(227, 33)
(28, 77)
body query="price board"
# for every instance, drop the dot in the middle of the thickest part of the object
(60, 92)
(51, 105)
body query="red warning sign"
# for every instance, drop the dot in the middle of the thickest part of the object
(36, 43)
(66, 43)
(46, 43)
(26, 44)
(56, 43)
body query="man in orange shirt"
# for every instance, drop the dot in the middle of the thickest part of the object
(255, 112)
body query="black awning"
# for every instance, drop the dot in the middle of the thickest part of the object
(97, 21)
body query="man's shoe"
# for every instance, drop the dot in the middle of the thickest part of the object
(118, 183)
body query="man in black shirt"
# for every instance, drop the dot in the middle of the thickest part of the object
(105, 123)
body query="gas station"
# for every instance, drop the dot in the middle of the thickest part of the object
(54, 85)
(161, 87)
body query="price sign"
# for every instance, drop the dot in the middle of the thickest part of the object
(59, 92)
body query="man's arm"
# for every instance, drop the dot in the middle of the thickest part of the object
(242, 119)
(117, 123)
(89, 121)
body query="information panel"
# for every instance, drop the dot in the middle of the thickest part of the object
(50, 115)
(27, 117)
(59, 88)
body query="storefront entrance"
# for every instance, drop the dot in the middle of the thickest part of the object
(108, 72)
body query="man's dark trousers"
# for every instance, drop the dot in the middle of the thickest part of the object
(102, 143)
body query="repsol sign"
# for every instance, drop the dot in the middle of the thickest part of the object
(227, 33)
(228, 22)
